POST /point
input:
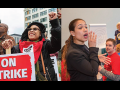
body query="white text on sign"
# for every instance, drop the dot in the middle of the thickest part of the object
(13, 73)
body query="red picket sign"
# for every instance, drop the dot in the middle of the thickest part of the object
(17, 67)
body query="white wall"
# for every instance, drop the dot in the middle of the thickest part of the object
(109, 16)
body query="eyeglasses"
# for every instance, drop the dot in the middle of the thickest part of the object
(29, 29)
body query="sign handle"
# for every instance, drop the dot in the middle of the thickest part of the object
(8, 51)
(43, 65)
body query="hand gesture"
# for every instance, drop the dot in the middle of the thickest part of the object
(52, 16)
(104, 59)
(99, 68)
(8, 43)
(92, 39)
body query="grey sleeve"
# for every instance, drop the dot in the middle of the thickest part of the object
(110, 75)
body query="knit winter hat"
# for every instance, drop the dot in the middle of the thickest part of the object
(40, 25)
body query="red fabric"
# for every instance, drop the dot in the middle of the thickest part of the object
(18, 71)
(54, 54)
(37, 47)
(104, 78)
(63, 72)
(114, 66)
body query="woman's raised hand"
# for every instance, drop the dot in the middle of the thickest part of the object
(52, 16)
(92, 39)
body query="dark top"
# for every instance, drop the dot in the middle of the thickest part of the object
(117, 34)
(82, 63)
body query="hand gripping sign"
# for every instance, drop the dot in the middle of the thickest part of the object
(17, 67)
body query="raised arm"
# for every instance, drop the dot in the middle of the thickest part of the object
(55, 44)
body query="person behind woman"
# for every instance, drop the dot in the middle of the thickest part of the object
(118, 49)
(117, 33)
(82, 62)
(114, 66)
(34, 35)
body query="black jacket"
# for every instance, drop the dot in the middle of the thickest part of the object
(48, 47)
(82, 63)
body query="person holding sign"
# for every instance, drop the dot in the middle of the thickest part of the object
(82, 62)
(33, 40)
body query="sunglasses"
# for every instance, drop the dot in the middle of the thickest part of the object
(34, 29)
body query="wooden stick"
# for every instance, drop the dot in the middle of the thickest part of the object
(43, 63)
(8, 51)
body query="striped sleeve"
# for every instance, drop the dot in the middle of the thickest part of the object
(110, 75)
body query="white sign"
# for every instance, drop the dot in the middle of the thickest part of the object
(54, 59)
(101, 32)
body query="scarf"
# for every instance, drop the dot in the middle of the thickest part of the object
(35, 47)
